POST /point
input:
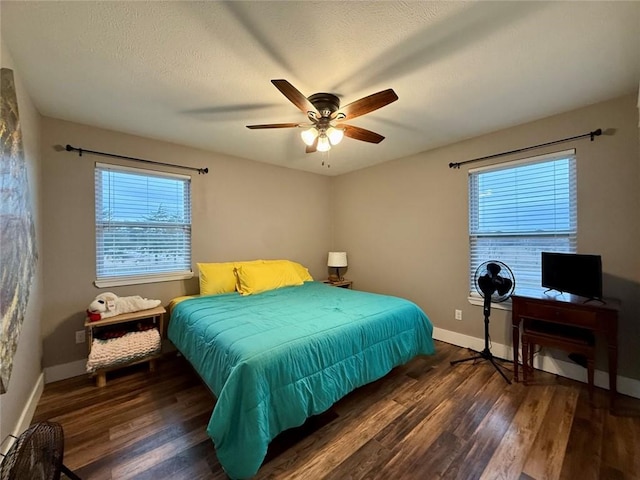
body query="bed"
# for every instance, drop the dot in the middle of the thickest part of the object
(275, 358)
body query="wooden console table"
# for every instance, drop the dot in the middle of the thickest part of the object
(570, 310)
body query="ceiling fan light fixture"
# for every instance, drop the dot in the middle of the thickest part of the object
(335, 135)
(323, 143)
(309, 136)
(323, 109)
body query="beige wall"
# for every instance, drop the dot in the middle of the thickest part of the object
(404, 223)
(241, 210)
(27, 368)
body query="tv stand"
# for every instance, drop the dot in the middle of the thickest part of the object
(570, 311)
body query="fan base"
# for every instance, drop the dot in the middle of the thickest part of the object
(484, 355)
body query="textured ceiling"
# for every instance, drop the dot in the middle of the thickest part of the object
(195, 73)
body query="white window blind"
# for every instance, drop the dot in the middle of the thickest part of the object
(518, 210)
(143, 226)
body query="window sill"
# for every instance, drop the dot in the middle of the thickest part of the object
(479, 301)
(121, 281)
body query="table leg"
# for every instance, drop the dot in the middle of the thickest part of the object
(613, 374)
(590, 369)
(525, 360)
(516, 347)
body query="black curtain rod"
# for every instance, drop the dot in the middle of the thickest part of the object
(80, 151)
(592, 135)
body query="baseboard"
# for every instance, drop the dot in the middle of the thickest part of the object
(79, 367)
(65, 370)
(626, 386)
(467, 341)
(27, 413)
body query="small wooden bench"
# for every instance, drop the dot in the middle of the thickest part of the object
(563, 337)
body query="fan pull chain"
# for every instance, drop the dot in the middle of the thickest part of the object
(326, 154)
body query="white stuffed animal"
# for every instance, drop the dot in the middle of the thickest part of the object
(108, 304)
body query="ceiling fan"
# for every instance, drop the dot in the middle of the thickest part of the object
(325, 127)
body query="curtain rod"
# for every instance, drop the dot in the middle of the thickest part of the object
(592, 135)
(69, 148)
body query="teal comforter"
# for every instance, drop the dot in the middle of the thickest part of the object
(276, 358)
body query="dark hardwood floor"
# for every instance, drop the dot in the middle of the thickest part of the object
(425, 420)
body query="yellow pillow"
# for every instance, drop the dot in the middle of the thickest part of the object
(217, 278)
(260, 277)
(237, 265)
(301, 270)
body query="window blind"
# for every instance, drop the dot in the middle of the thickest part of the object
(518, 210)
(143, 225)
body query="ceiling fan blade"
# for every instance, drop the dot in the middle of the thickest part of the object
(358, 133)
(294, 96)
(312, 148)
(365, 105)
(275, 125)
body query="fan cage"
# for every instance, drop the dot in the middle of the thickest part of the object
(505, 272)
(36, 454)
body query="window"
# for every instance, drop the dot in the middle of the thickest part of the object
(143, 226)
(519, 209)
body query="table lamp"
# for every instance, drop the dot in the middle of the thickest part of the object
(337, 260)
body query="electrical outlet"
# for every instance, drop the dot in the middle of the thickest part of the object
(458, 314)
(80, 336)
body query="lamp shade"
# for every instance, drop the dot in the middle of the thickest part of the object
(337, 259)
(323, 143)
(309, 136)
(335, 135)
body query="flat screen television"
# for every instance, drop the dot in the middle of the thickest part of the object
(574, 273)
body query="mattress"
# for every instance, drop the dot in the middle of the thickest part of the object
(276, 358)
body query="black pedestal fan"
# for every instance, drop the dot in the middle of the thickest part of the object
(37, 455)
(494, 280)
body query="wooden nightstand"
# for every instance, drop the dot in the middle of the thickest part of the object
(340, 284)
(153, 316)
